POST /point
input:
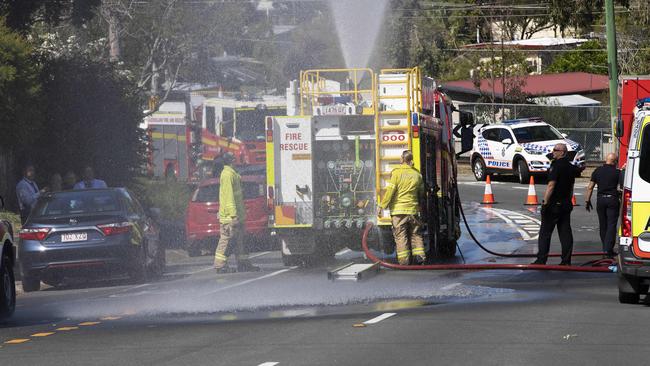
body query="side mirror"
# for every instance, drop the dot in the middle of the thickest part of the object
(154, 212)
(506, 141)
(620, 130)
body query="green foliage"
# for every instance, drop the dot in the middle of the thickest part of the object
(19, 90)
(13, 218)
(582, 59)
(21, 14)
(170, 197)
(93, 116)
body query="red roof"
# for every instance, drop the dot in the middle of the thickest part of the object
(538, 85)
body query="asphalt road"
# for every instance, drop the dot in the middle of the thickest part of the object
(296, 316)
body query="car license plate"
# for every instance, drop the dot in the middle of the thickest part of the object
(66, 238)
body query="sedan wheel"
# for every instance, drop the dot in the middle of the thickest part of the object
(8, 288)
(479, 169)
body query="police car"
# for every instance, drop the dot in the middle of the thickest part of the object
(519, 147)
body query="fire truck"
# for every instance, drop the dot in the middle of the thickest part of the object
(185, 139)
(632, 89)
(237, 126)
(329, 161)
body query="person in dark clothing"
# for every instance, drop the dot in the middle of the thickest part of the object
(466, 136)
(608, 203)
(557, 206)
(27, 192)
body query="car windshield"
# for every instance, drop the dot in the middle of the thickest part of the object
(77, 203)
(536, 133)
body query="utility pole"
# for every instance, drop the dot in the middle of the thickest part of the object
(612, 63)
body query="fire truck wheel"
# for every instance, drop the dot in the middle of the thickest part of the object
(446, 249)
(478, 168)
(628, 298)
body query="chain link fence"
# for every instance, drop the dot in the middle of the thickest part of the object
(587, 125)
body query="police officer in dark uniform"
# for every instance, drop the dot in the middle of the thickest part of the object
(557, 206)
(607, 202)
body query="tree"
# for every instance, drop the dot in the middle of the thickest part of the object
(589, 57)
(21, 14)
(93, 115)
(19, 91)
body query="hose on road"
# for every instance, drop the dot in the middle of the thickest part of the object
(596, 266)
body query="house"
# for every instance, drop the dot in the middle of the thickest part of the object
(588, 85)
(535, 50)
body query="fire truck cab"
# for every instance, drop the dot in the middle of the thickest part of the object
(328, 164)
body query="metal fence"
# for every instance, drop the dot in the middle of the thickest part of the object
(587, 125)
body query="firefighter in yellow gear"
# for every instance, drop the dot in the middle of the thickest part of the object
(231, 218)
(402, 197)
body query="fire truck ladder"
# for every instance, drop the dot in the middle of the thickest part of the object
(398, 96)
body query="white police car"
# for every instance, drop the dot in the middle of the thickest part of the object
(519, 147)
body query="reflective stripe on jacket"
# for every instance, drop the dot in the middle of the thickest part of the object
(231, 200)
(403, 191)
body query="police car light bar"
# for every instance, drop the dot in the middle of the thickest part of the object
(643, 103)
(522, 120)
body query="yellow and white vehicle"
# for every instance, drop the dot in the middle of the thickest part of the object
(329, 160)
(634, 242)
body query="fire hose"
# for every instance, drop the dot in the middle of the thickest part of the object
(597, 265)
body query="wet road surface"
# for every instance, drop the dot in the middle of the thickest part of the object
(295, 316)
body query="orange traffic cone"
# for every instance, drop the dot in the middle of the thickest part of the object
(531, 199)
(574, 202)
(488, 197)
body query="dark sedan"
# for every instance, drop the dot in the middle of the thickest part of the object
(99, 233)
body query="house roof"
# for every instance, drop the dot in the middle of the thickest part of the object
(537, 85)
(571, 100)
(533, 43)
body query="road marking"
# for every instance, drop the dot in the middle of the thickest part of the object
(111, 318)
(88, 323)
(529, 229)
(67, 328)
(44, 334)
(379, 318)
(17, 341)
(258, 255)
(268, 364)
(272, 274)
(344, 251)
(451, 286)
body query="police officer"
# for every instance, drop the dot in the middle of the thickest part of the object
(608, 203)
(402, 197)
(466, 135)
(231, 219)
(557, 206)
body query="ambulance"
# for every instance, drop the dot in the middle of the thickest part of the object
(634, 242)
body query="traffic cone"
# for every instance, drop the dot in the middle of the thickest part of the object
(531, 199)
(574, 201)
(488, 197)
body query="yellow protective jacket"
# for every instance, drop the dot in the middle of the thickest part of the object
(231, 200)
(403, 191)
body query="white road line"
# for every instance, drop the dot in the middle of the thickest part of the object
(344, 251)
(379, 318)
(450, 286)
(268, 364)
(272, 274)
(258, 255)
(507, 215)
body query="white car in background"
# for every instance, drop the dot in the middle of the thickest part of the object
(519, 147)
